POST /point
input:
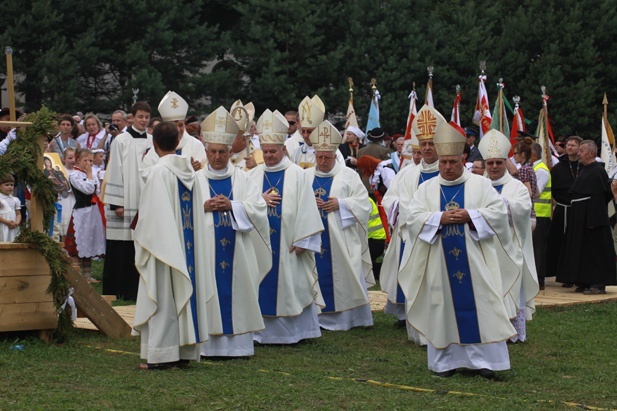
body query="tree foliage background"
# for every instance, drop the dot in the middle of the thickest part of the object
(275, 52)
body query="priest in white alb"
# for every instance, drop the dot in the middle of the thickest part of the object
(174, 285)
(288, 293)
(396, 200)
(450, 272)
(123, 187)
(173, 108)
(344, 265)
(239, 260)
(518, 267)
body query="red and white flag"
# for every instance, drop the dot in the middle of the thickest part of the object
(482, 116)
(456, 114)
(518, 124)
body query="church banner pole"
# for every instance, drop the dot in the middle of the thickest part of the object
(9, 81)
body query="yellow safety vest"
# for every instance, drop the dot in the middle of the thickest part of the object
(542, 205)
(375, 227)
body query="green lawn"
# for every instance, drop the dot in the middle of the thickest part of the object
(570, 356)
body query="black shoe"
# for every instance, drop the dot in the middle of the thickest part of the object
(486, 373)
(567, 285)
(445, 374)
(400, 323)
(580, 289)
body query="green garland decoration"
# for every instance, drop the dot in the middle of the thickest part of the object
(21, 161)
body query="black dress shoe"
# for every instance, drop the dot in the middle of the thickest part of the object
(445, 374)
(400, 323)
(486, 373)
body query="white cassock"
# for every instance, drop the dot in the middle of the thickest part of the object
(397, 198)
(189, 147)
(123, 183)
(344, 264)
(288, 293)
(520, 293)
(304, 156)
(451, 274)
(174, 284)
(293, 142)
(238, 260)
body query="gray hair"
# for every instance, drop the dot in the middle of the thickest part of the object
(122, 112)
(536, 149)
(592, 146)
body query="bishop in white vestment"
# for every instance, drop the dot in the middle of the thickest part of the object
(450, 270)
(234, 207)
(344, 263)
(288, 293)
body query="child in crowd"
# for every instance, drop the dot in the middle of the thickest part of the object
(10, 217)
(66, 197)
(86, 234)
(98, 168)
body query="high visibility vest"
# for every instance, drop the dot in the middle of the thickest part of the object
(375, 227)
(542, 205)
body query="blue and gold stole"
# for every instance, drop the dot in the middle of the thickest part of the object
(400, 297)
(457, 265)
(225, 240)
(323, 260)
(186, 205)
(268, 289)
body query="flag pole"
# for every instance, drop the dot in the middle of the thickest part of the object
(9, 81)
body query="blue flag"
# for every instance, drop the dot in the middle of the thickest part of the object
(373, 113)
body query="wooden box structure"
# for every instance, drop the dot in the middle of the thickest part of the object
(24, 301)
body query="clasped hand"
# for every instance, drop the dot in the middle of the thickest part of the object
(460, 216)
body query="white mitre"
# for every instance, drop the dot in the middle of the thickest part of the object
(311, 112)
(173, 107)
(272, 127)
(325, 137)
(220, 128)
(449, 139)
(494, 144)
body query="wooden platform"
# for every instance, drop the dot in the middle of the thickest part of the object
(553, 295)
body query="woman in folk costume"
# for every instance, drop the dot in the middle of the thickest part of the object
(64, 138)
(86, 234)
(234, 207)
(289, 294)
(344, 263)
(94, 133)
(520, 281)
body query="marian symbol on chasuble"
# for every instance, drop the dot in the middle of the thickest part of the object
(186, 217)
(455, 252)
(189, 245)
(273, 212)
(224, 242)
(224, 219)
(459, 275)
(224, 265)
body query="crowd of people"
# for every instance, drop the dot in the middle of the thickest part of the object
(233, 231)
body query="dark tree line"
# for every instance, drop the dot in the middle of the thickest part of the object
(274, 52)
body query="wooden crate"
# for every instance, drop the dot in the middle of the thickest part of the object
(24, 278)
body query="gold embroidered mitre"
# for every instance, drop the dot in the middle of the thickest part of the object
(425, 123)
(272, 127)
(220, 128)
(311, 112)
(325, 137)
(173, 107)
(243, 118)
(449, 139)
(494, 144)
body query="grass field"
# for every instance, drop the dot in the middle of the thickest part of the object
(569, 360)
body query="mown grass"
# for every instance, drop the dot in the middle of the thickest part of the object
(570, 356)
